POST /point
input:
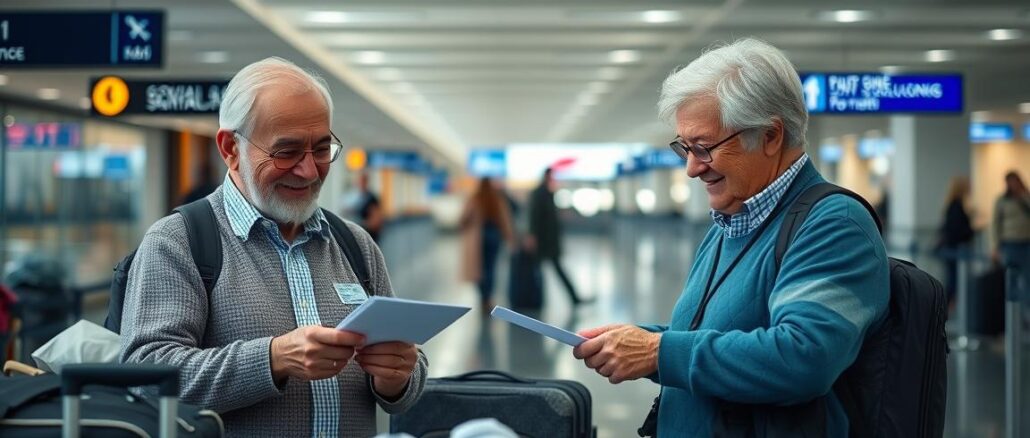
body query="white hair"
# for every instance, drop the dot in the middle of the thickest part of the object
(238, 99)
(754, 84)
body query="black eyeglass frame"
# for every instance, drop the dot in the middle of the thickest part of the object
(703, 153)
(276, 160)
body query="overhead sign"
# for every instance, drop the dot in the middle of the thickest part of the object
(843, 93)
(990, 132)
(491, 163)
(82, 39)
(113, 96)
(1026, 132)
(402, 160)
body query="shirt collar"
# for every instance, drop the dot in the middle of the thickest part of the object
(243, 215)
(757, 208)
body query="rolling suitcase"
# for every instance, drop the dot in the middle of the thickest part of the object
(525, 282)
(532, 408)
(91, 400)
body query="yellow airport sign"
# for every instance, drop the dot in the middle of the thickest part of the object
(356, 159)
(110, 96)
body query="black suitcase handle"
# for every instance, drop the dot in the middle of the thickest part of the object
(75, 376)
(483, 375)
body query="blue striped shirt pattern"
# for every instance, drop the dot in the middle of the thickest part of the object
(243, 216)
(759, 206)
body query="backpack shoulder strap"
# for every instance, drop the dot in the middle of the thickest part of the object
(802, 206)
(205, 243)
(349, 244)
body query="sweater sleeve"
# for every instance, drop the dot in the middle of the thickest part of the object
(832, 286)
(167, 312)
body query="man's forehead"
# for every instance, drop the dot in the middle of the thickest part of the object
(698, 120)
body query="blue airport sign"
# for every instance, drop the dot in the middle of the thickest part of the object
(44, 135)
(1026, 132)
(133, 38)
(401, 160)
(491, 163)
(990, 132)
(871, 93)
(662, 159)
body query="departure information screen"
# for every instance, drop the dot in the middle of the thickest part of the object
(81, 39)
(844, 93)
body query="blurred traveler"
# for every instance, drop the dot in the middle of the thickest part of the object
(1012, 232)
(485, 223)
(262, 349)
(545, 231)
(369, 209)
(744, 333)
(956, 233)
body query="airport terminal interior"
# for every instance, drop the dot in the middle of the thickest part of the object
(110, 119)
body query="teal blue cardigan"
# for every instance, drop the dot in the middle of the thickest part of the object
(773, 338)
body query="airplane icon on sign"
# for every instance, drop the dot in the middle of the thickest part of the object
(137, 28)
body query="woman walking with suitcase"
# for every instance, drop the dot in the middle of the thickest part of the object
(485, 224)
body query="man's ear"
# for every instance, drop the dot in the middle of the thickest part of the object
(229, 148)
(772, 141)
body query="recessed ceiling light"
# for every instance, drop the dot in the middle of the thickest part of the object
(940, 55)
(1024, 107)
(213, 57)
(179, 36)
(3, 80)
(1004, 34)
(9, 120)
(890, 69)
(588, 99)
(388, 74)
(846, 15)
(369, 57)
(326, 17)
(48, 93)
(980, 116)
(623, 56)
(85, 103)
(660, 16)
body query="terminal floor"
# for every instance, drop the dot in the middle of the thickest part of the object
(635, 272)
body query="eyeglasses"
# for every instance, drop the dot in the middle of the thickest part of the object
(285, 159)
(703, 153)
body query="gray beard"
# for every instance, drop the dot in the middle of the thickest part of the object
(269, 203)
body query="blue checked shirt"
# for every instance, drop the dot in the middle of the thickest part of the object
(758, 207)
(243, 216)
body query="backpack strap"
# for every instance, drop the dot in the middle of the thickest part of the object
(802, 206)
(349, 244)
(205, 243)
(796, 215)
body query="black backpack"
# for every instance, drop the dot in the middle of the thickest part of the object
(206, 248)
(898, 384)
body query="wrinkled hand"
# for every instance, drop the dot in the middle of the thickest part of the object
(390, 364)
(619, 352)
(312, 352)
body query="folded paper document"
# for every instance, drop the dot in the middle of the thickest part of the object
(384, 319)
(542, 328)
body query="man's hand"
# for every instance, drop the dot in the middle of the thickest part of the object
(312, 352)
(620, 352)
(390, 364)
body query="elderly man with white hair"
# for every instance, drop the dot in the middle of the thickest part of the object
(262, 349)
(744, 332)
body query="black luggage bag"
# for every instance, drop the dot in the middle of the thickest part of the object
(525, 281)
(40, 406)
(988, 303)
(532, 408)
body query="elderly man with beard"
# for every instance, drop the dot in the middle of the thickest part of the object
(262, 349)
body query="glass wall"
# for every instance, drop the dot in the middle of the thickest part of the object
(72, 191)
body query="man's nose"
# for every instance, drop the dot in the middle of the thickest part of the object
(306, 168)
(695, 167)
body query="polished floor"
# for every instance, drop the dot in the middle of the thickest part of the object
(635, 269)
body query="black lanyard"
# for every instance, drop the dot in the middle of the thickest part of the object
(699, 314)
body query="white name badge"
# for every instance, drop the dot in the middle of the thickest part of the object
(350, 293)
